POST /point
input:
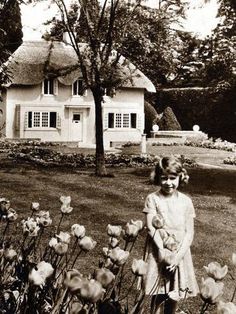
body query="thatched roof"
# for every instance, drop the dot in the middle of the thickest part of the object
(28, 63)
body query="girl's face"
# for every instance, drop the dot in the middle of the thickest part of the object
(169, 183)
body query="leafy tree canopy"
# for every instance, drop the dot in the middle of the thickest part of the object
(146, 36)
(10, 32)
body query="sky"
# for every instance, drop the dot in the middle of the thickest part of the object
(201, 18)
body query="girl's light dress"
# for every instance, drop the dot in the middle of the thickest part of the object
(177, 211)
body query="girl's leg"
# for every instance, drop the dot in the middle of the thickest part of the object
(157, 304)
(170, 307)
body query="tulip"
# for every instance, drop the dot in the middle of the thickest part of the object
(30, 227)
(114, 231)
(137, 223)
(234, 258)
(73, 280)
(45, 269)
(36, 278)
(131, 231)
(77, 307)
(215, 270)
(211, 290)
(91, 291)
(65, 200)
(104, 276)
(11, 215)
(106, 251)
(43, 218)
(78, 231)
(166, 256)
(170, 243)
(66, 209)
(118, 256)
(158, 221)
(108, 263)
(113, 242)
(139, 267)
(61, 248)
(63, 237)
(87, 243)
(53, 242)
(226, 308)
(35, 206)
(10, 254)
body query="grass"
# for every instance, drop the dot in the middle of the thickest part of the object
(99, 201)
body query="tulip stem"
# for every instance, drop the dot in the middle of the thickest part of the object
(233, 296)
(204, 307)
(60, 221)
(129, 289)
(5, 232)
(73, 264)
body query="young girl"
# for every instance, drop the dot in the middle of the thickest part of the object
(169, 220)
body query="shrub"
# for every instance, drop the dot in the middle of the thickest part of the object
(168, 121)
(150, 116)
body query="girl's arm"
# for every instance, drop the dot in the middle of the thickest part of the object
(150, 211)
(188, 238)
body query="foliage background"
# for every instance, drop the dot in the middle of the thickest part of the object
(211, 108)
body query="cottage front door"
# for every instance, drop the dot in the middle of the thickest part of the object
(76, 126)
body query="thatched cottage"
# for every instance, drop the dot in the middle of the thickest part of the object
(37, 106)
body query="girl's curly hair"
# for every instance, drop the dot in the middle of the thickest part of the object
(171, 165)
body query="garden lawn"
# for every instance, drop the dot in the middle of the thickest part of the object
(99, 201)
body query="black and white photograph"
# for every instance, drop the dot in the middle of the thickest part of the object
(117, 157)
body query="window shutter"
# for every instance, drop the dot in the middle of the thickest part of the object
(58, 125)
(26, 120)
(105, 121)
(139, 122)
(43, 87)
(72, 89)
(17, 117)
(55, 87)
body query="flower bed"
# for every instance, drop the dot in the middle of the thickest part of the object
(40, 269)
(230, 161)
(204, 143)
(47, 157)
(212, 144)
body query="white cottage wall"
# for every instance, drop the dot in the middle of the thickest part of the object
(126, 101)
(22, 99)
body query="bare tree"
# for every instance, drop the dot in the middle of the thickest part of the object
(98, 52)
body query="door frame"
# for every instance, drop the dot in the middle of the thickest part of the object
(73, 111)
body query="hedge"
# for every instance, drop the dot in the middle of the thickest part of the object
(213, 109)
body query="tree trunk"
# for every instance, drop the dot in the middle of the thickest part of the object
(100, 154)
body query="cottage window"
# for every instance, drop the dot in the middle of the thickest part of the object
(38, 119)
(122, 120)
(78, 88)
(50, 87)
